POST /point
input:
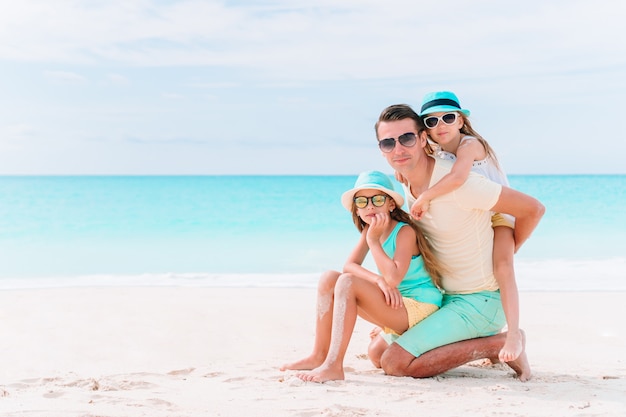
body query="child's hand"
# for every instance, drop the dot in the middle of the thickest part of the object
(401, 178)
(420, 208)
(377, 227)
(392, 294)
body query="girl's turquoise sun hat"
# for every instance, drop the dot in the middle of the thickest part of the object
(371, 180)
(441, 101)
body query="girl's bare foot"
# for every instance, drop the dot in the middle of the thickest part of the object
(512, 348)
(310, 362)
(521, 365)
(322, 374)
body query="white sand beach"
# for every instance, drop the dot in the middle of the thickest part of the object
(168, 351)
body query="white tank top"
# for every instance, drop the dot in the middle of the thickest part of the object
(486, 167)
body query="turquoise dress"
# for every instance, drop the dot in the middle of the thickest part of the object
(417, 283)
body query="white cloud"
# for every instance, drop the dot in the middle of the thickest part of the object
(322, 40)
(214, 85)
(18, 131)
(271, 85)
(118, 79)
(65, 77)
(172, 96)
(14, 136)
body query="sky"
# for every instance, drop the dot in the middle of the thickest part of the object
(166, 87)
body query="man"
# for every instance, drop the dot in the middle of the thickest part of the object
(467, 326)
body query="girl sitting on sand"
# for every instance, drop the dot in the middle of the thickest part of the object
(403, 293)
(448, 126)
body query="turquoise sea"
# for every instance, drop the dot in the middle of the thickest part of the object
(160, 228)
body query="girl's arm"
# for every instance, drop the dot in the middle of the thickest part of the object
(394, 270)
(469, 150)
(355, 260)
(392, 295)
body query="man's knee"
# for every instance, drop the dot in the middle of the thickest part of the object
(395, 360)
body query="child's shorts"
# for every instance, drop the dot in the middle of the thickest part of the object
(499, 219)
(416, 310)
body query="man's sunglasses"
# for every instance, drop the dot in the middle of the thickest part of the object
(431, 122)
(378, 200)
(407, 139)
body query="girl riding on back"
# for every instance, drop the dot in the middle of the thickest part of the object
(454, 139)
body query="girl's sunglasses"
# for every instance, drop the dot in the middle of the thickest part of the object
(432, 121)
(406, 139)
(378, 200)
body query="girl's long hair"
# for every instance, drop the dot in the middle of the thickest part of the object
(468, 130)
(434, 268)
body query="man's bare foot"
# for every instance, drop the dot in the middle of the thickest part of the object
(512, 348)
(521, 365)
(322, 374)
(488, 362)
(310, 362)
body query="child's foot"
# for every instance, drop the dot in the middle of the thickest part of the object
(322, 374)
(513, 347)
(521, 365)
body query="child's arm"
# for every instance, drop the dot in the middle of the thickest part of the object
(393, 270)
(354, 266)
(355, 260)
(469, 150)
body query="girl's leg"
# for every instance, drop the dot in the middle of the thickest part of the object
(503, 250)
(323, 323)
(353, 294)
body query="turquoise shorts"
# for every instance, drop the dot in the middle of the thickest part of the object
(461, 317)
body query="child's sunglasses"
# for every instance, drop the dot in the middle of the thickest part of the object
(378, 200)
(432, 121)
(407, 139)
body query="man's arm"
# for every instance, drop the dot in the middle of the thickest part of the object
(526, 210)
